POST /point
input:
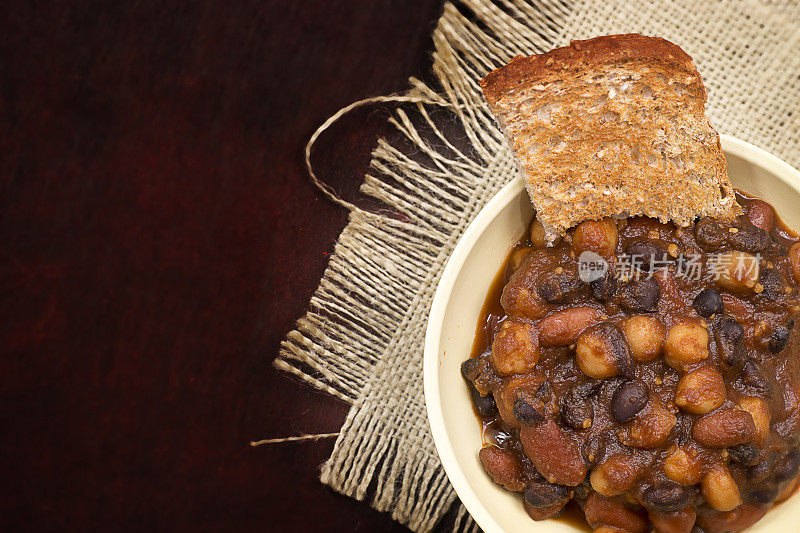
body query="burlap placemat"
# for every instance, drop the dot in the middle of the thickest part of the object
(362, 340)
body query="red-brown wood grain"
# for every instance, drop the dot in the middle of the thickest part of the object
(160, 237)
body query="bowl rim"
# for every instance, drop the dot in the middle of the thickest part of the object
(430, 368)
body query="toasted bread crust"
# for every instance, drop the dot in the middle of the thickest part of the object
(613, 125)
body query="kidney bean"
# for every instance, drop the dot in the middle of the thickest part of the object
(708, 302)
(604, 288)
(720, 490)
(504, 467)
(602, 351)
(576, 411)
(563, 327)
(640, 295)
(753, 376)
(545, 494)
(779, 339)
(700, 391)
(686, 344)
(788, 466)
(761, 215)
(794, 261)
(601, 511)
(553, 454)
(617, 474)
(630, 398)
(484, 405)
(645, 335)
(744, 454)
(515, 349)
(709, 233)
(528, 412)
(558, 286)
(598, 236)
(665, 496)
(724, 428)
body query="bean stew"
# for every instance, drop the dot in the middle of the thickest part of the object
(645, 374)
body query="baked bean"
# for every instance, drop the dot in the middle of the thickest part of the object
(744, 454)
(779, 339)
(616, 475)
(683, 467)
(602, 512)
(665, 496)
(708, 302)
(629, 398)
(504, 467)
(652, 427)
(761, 215)
(602, 351)
(553, 454)
(794, 261)
(537, 234)
(563, 327)
(640, 295)
(735, 271)
(759, 410)
(723, 428)
(686, 344)
(515, 349)
(559, 285)
(598, 236)
(700, 391)
(645, 335)
(519, 256)
(720, 490)
(680, 521)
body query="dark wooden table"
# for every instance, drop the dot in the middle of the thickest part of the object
(160, 237)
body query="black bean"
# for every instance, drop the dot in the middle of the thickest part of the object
(604, 288)
(576, 409)
(545, 494)
(730, 330)
(469, 368)
(647, 256)
(762, 495)
(545, 391)
(710, 234)
(593, 448)
(728, 335)
(484, 405)
(666, 496)
(640, 295)
(772, 282)
(630, 398)
(744, 454)
(557, 287)
(749, 238)
(779, 339)
(763, 468)
(753, 376)
(526, 413)
(708, 302)
(787, 467)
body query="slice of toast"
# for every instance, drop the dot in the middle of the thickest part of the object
(612, 126)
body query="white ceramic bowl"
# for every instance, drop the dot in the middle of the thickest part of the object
(456, 310)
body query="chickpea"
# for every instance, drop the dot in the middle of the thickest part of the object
(700, 391)
(682, 467)
(515, 349)
(794, 261)
(762, 417)
(686, 344)
(645, 335)
(598, 236)
(616, 475)
(651, 428)
(602, 351)
(537, 234)
(735, 271)
(720, 490)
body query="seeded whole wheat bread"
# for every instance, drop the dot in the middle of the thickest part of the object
(612, 126)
